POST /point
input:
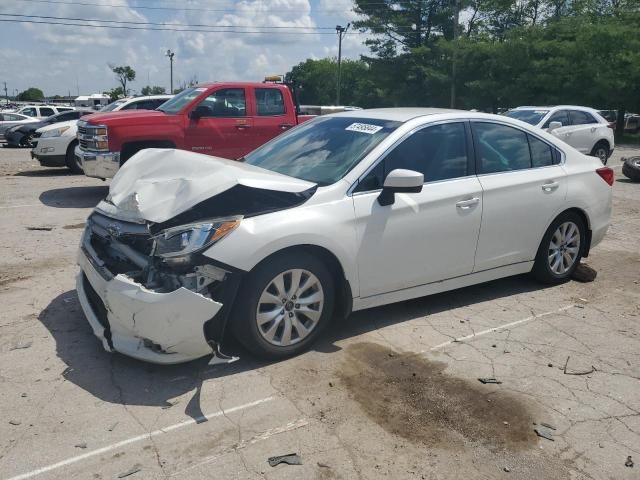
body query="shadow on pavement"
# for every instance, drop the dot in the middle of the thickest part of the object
(117, 379)
(45, 172)
(74, 197)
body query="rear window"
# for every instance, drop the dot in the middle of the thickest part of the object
(532, 117)
(269, 102)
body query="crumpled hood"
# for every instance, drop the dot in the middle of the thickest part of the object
(158, 184)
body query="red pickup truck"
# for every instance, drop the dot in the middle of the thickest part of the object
(223, 119)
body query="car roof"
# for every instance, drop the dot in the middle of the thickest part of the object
(400, 114)
(555, 107)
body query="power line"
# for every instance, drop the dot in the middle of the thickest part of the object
(293, 27)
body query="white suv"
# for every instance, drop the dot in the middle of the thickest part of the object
(581, 127)
(42, 111)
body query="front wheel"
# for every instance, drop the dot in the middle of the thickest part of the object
(561, 249)
(284, 305)
(73, 163)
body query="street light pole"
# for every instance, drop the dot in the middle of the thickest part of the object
(340, 30)
(170, 54)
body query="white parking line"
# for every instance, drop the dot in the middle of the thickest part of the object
(495, 329)
(145, 436)
(20, 206)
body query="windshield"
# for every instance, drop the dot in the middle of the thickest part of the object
(112, 106)
(322, 150)
(532, 117)
(181, 100)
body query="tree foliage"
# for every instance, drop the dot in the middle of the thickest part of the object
(149, 90)
(115, 93)
(124, 74)
(31, 95)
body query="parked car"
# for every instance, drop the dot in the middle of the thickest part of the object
(581, 127)
(224, 119)
(56, 145)
(9, 120)
(23, 135)
(345, 212)
(42, 111)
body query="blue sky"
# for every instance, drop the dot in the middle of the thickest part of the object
(61, 59)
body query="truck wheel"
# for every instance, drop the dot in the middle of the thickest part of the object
(72, 162)
(283, 305)
(631, 168)
(601, 150)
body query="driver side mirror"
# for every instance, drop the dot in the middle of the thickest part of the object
(199, 112)
(400, 181)
(554, 125)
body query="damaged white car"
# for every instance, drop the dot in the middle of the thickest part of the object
(342, 213)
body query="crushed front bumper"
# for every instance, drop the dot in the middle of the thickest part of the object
(99, 165)
(156, 327)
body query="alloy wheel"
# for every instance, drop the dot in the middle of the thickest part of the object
(290, 307)
(564, 248)
(602, 153)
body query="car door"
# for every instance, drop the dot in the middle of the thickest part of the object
(271, 117)
(584, 132)
(524, 186)
(224, 128)
(564, 132)
(422, 237)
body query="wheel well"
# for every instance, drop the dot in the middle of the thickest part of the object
(585, 219)
(602, 142)
(344, 296)
(130, 149)
(72, 146)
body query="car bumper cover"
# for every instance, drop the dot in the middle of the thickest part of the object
(98, 165)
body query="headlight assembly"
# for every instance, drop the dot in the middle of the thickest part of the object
(191, 238)
(56, 132)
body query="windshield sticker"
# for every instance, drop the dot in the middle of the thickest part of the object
(364, 128)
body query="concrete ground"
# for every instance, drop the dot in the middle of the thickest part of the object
(392, 392)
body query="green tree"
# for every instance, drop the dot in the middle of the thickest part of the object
(149, 90)
(115, 93)
(31, 95)
(124, 74)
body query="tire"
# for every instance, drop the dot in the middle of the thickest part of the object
(631, 168)
(26, 140)
(259, 299)
(70, 159)
(555, 267)
(601, 150)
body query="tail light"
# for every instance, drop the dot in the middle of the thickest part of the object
(606, 174)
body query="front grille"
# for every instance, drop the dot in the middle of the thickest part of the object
(83, 144)
(82, 130)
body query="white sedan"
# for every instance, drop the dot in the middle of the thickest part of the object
(581, 127)
(342, 213)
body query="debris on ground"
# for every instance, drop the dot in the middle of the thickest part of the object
(547, 425)
(323, 465)
(544, 433)
(21, 345)
(24, 395)
(135, 469)
(170, 404)
(629, 462)
(14, 422)
(584, 273)
(43, 229)
(81, 445)
(289, 459)
(585, 372)
(112, 427)
(489, 380)
(507, 469)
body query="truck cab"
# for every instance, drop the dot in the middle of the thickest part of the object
(226, 120)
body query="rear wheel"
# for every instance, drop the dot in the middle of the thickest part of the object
(601, 150)
(284, 305)
(561, 249)
(631, 168)
(73, 163)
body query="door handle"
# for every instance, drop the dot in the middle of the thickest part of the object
(467, 204)
(550, 187)
(285, 126)
(242, 127)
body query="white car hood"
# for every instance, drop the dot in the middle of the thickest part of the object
(157, 184)
(72, 124)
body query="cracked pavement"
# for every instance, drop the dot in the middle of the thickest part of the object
(392, 392)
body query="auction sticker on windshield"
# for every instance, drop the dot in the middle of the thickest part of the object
(364, 128)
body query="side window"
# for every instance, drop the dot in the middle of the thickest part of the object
(561, 116)
(229, 102)
(541, 153)
(131, 106)
(269, 102)
(31, 112)
(155, 103)
(46, 112)
(438, 152)
(501, 148)
(581, 118)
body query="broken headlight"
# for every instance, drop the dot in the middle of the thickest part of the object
(186, 239)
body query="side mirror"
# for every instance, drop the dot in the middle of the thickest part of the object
(400, 181)
(199, 112)
(554, 125)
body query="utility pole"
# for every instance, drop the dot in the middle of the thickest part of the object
(170, 54)
(456, 21)
(340, 30)
(6, 93)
